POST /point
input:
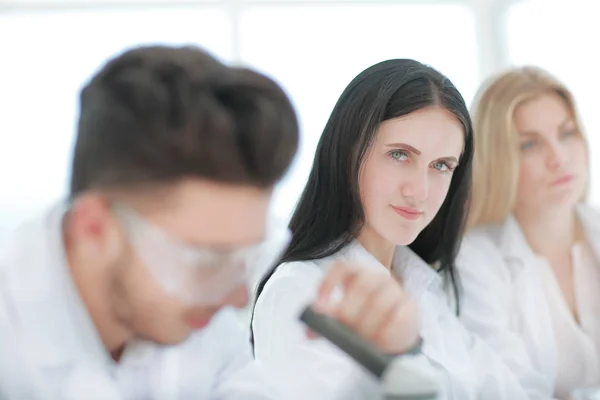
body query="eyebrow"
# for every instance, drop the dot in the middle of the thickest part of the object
(449, 160)
(566, 122)
(405, 146)
(562, 125)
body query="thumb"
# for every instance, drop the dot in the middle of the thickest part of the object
(311, 335)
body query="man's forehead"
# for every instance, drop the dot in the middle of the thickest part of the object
(217, 215)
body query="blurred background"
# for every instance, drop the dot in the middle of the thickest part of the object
(313, 48)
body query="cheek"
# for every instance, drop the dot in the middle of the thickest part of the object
(580, 158)
(147, 296)
(377, 183)
(439, 185)
(532, 171)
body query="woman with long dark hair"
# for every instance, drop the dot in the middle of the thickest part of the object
(388, 192)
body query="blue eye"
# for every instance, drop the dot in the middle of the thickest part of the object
(528, 145)
(442, 166)
(398, 155)
(568, 133)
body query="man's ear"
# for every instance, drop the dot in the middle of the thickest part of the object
(93, 227)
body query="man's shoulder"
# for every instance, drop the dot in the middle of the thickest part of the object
(222, 335)
(27, 240)
(29, 287)
(217, 351)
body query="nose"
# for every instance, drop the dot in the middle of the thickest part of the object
(416, 185)
(557, 156)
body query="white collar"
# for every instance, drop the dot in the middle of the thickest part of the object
(417, 276)
(513, 243)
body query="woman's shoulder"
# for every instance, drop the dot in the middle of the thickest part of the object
(490, 231)
(296, 278)
(482, 250)
(293, 282)
(292, 287)
(589, 215)
(483, 238)
(299, 270)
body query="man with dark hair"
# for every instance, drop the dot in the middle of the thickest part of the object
(174, 164)
(128, 289)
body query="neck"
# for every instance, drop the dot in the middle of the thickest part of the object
(93, 283)
(380, 248)
(550, 232)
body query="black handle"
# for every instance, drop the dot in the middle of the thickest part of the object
(364, 352)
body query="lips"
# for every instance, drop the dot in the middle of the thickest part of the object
(408, 212)
(563, 179)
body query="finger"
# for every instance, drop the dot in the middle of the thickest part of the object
(357, 295)
(400, 331)
(311, 335)
(380, 308)
(335, 276)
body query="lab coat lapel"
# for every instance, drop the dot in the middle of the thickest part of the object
(356, 254)
(590, 219)
(513, 244)
(416, 275)
(529, 294)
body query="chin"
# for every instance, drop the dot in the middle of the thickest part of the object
(403, 236)
(569, 199)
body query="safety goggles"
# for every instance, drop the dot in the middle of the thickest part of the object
(198, 275)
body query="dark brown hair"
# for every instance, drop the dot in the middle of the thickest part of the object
(157, 114)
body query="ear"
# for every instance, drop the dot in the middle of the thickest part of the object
(94, 228)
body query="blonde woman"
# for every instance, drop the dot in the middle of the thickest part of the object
(530, 263)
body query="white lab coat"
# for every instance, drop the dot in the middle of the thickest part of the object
(504, 301)
(315, 369)
(48, 341)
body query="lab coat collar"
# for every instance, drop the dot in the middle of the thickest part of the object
(514, 246)
(590, 219)
(417, 276)
(513, 243)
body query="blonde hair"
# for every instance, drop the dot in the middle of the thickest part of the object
(496, 158)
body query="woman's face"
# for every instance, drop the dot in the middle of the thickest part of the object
(406, 175)
(553, 170)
